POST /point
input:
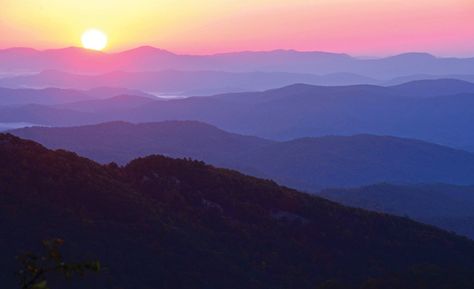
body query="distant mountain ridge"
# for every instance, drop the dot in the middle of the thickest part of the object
(436, 111)
(308, 163)
(199, 82)
(178, 82)
(115, 104)
(40, 96)
(150, 58)
(54, 96)
(447, 206)
(302, 110)
(122, 142)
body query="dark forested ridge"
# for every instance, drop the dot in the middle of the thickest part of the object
(166, 223)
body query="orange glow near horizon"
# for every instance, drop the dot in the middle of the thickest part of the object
(360, 27)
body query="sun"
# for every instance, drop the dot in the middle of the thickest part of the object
(94, 39)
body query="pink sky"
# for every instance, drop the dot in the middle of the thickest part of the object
(359, 27)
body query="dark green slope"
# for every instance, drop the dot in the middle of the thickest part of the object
(165, 223)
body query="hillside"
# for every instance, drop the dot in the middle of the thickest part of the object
(122, 142)
(308, 164)
(342, 161)
(161, 223)
(446, 206)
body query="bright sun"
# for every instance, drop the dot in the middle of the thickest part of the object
(94, 39)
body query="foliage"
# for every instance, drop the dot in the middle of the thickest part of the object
(36, 268)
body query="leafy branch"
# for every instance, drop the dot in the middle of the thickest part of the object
(36, 268)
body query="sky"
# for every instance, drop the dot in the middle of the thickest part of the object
(357, 27)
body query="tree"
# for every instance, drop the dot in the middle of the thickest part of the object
(37, 268)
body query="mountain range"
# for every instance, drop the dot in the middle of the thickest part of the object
(148, 58)
(307, 163)
(431, 110)
(180, 83)
(191, 83)
(254, 169)
(161, 223)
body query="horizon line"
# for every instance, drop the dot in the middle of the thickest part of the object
(114, 52)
